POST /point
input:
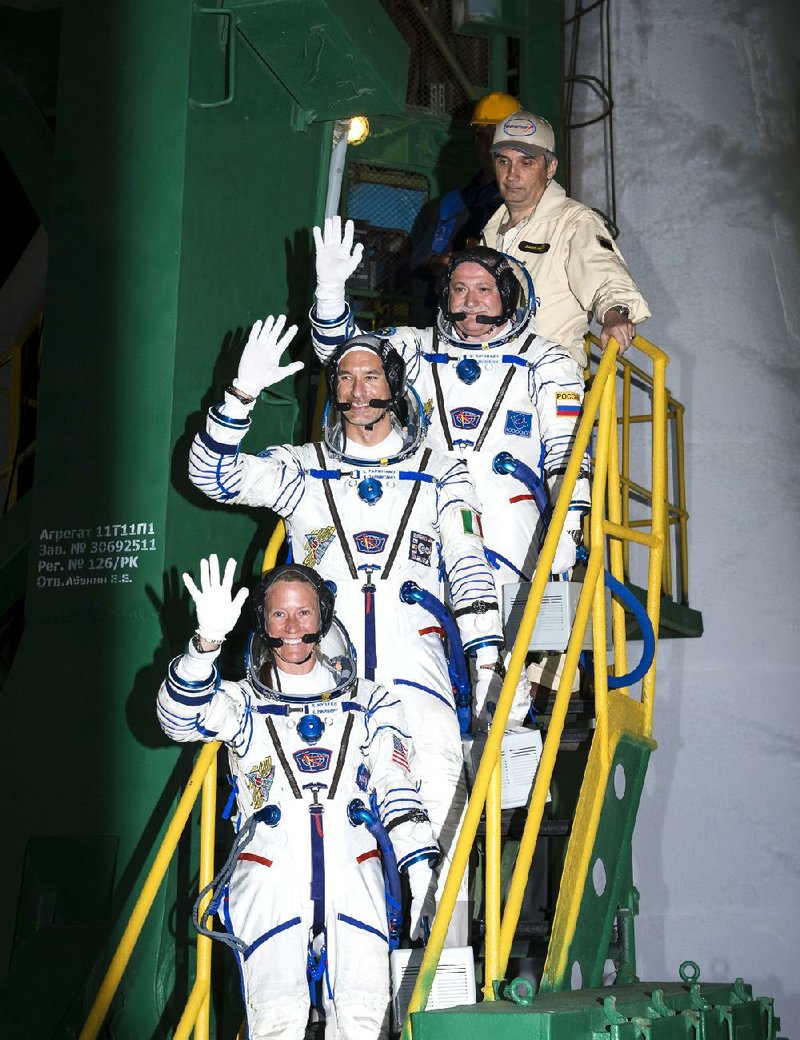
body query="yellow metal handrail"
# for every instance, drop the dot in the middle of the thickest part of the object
(629, 374)
(599, 404)
(203, 778)
(202, 781)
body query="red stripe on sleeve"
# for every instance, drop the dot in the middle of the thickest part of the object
(256, 859)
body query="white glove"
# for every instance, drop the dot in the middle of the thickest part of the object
(422, 882)
(260, 363)
(217, 610)
(337, 258)
(566, 553)
(487, 678)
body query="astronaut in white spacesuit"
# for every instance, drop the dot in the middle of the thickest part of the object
(387, 520)
(303, 896)
(489, 385)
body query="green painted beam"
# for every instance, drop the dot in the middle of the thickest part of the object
(676, 620)
(663, 1010)
(173, 225)
(608, 868)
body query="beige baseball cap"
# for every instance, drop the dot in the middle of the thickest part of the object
(526, 132)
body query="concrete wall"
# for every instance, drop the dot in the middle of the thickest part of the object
(707, 172)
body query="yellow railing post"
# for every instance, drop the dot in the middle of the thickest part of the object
(617, 548)
(682, 515)
(155, 876)
(626, 459)
(658, 527)
(197, 1011)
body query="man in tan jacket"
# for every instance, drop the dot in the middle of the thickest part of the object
(576, 268)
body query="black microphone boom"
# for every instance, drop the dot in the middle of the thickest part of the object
(309, 637)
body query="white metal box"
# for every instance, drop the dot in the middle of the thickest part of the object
(556, 615)
(520, 754)
(453, 985)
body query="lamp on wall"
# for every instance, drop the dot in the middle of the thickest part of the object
(359, 130)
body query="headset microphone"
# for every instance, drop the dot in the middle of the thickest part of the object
(276, 641)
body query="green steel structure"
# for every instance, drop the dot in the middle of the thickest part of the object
(178, 168)
(190, 160)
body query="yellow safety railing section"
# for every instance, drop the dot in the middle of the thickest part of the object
(203, 781)
(615, 710)
(632, 378)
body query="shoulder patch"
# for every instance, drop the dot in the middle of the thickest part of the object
(259, 780)
(568, 403)
(534, 247)
(471, 522)
(362, 777)
(316, 543)
(605, 243)
(519, 424)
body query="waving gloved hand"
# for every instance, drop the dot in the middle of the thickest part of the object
(260, 363)
(337, 258)
(216, 607)
(422, 882)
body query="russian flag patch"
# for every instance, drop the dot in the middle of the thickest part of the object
(568, 403)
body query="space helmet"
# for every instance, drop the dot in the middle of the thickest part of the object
(403, 404)
(517, 297)
(331, 644)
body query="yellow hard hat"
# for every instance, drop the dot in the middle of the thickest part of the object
(493, 108)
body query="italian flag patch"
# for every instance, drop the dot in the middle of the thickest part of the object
(568, 403)
(471, 522)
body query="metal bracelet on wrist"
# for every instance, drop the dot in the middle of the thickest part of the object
(240, 395)
(214, 643)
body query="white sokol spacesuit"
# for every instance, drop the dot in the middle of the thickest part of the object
(372, 525)
(303, 899)
(516, 393)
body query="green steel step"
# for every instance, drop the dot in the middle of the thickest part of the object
(677, 620)
(653, 1010)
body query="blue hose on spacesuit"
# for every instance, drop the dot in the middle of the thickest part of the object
(358, 813)
(410, 592)
(504, 462)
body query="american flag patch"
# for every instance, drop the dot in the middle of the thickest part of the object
(568, 403)
(400, 755)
